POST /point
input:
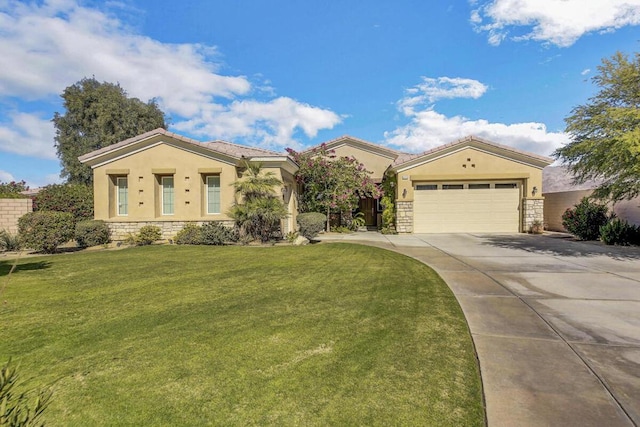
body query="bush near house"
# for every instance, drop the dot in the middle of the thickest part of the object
(210, 233)
(585, 219)
(311, 223)
(13, 190)
(92, 233)
(146, 236)
(9, 242)
(620, 232)
(44, 231)
(76, 199)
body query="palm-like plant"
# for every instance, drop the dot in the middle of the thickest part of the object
(257, 210)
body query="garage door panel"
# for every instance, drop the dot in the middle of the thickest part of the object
(467, 210)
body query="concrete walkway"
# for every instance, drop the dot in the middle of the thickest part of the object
(556, 323)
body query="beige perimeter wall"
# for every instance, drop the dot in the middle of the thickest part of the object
(11, 210)
(556, 203)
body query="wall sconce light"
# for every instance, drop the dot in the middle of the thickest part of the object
(534, 191)
(404, 193)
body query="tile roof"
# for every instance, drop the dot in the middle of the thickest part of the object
(558, 179)
(405, 158)
(223, 147)
(358, 140)
(237, 150)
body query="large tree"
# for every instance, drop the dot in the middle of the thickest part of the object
(332, 184)
(605, 132)
(98, 115)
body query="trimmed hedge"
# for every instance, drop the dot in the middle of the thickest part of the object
(44, 231)
(76, 199)
(210, 233)
(311, 223)
(92, 233)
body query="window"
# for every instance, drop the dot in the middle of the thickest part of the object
(509, 185)
(167, 195)
(452, 186)
(213, 194)
(478, 186)
(426, 187)
(122, 194)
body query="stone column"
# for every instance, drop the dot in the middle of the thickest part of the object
(404, 217)
(533, 210)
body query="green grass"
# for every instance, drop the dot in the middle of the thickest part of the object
(330, 334)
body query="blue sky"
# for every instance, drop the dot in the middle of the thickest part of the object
(408, 74)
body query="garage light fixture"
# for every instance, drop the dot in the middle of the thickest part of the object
(534, 191)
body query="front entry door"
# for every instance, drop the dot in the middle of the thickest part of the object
(368, 207)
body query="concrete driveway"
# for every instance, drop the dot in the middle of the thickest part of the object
(556, 323)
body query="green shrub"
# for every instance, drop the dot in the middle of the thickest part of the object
(147, 235)
(45, 230)
(13, 190)
(191, 234)
(214, 233)
(585, 219)
(19, 408)
(76, 199)
(9, 242)
(92, 233)
(311, 223)
(620, 232)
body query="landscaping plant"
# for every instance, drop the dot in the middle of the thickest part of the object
(92, 233)
(585, 219)
(311, 223)
(620, 232)
(44, 231)
(76, 199)
(257, 210)
(147, 235)
(20, 409)
(191, 234)
(9, 242)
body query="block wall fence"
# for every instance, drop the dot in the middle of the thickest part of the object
(11, 210)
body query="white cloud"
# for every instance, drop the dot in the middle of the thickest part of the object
(53, 44)
(29, 135)
(433, 89)
(274, 123)
(560, 22)
(429, 129)
(586, 71)
(6, 176)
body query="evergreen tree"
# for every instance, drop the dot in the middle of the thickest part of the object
(605, 132)
(98, 115)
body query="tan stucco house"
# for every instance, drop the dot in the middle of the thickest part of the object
(165, 179)
(168, 180)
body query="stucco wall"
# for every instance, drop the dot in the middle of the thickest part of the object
(556, 203)
(142, 170)
(469, 164)
(11, 210)
(373, 162)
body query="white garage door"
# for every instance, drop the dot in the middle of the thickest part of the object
(488, 207)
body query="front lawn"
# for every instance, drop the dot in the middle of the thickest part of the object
(330, 334)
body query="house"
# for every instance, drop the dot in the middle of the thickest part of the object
(470, 185)
(164, 179)
(561, 194)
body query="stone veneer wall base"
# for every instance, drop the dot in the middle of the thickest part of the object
(122, 230)
(533, 210)
(404, 217)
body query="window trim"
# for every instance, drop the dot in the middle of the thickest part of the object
(206, 186)
(173, 194)
(126, 205)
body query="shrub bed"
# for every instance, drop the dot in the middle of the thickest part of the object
(92, 233)
(44, 231)
(311, 223)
